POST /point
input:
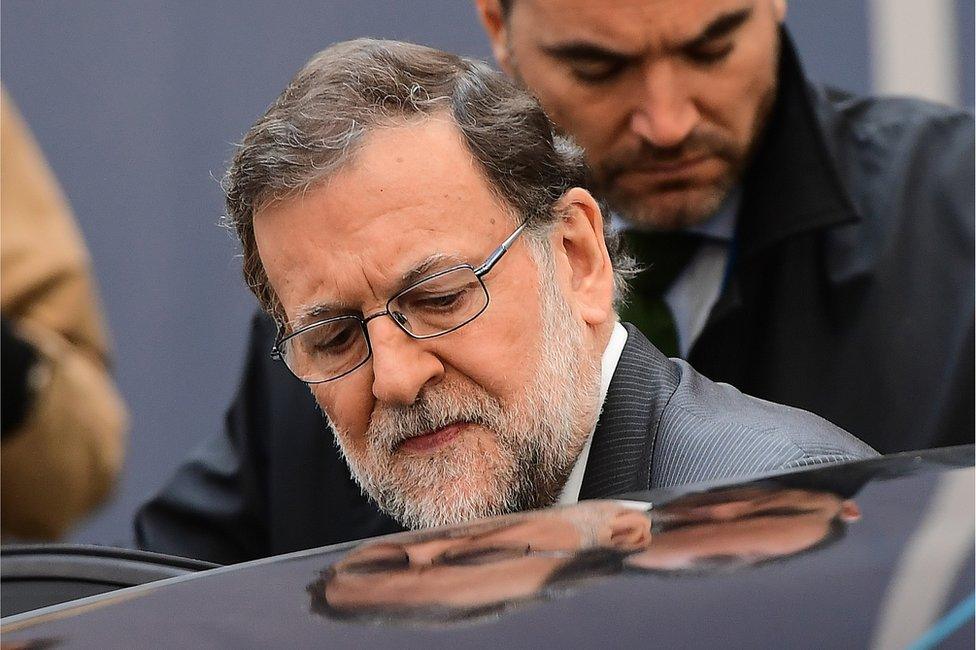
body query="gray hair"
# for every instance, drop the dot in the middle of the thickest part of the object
(317, 123)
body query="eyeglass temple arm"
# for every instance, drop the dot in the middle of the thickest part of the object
(279, 335)
(499, 252)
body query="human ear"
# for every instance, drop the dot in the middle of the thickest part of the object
(779, 10)
(495, 24)
(580, 250)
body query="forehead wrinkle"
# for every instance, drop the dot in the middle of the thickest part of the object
(313, 311)
(309, 312)
(428, 265)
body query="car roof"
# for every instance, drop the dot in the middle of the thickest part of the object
(896, 560)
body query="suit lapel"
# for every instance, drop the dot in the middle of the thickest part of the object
(623, 443)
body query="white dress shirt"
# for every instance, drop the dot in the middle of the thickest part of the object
(611, 355)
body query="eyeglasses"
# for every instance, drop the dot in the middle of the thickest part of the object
(434, 306)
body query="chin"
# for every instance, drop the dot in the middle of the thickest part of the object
(457, 483)
(671, 209)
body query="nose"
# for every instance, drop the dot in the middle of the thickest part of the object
(402, 366)
(425, 553)
(666, 114)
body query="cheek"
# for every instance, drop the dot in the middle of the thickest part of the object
(596, 120)
(596, 124)
(587, 113)
(499, 350)
(349, 404)
(732, 94)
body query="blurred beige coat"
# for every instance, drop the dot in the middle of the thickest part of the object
(64, 459)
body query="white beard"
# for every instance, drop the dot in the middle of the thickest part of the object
(536, 438)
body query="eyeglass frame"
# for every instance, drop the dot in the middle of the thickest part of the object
(479, 272)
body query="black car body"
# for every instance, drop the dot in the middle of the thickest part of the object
(876, 553)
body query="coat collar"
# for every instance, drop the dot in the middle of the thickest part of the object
(792, 185)
(623, 443)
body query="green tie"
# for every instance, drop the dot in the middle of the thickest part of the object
(662, 256)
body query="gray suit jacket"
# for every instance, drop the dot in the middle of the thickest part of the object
(664, 424)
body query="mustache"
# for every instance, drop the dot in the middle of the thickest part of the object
(434, 409)
(645, 156)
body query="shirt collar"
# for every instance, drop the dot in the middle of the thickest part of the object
(611, 356)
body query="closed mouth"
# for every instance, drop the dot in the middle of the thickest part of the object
(432, 440)
(670, 166)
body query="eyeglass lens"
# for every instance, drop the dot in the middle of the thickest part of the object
(440, 303)
(435, 306)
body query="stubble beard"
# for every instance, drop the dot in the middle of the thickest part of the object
(524, 461)
(676, 205)
(689, 205)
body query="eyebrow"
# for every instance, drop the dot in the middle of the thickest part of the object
(308, 314)
(426, 267)
(721, 26)
(580, 50)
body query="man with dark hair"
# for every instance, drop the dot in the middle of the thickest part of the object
(442, 283)
(806, 246)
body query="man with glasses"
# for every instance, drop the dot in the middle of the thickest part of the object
(445, 287)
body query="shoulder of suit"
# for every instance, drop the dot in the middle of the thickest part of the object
(721, 410)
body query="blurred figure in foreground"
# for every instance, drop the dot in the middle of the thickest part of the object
(63, 419)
